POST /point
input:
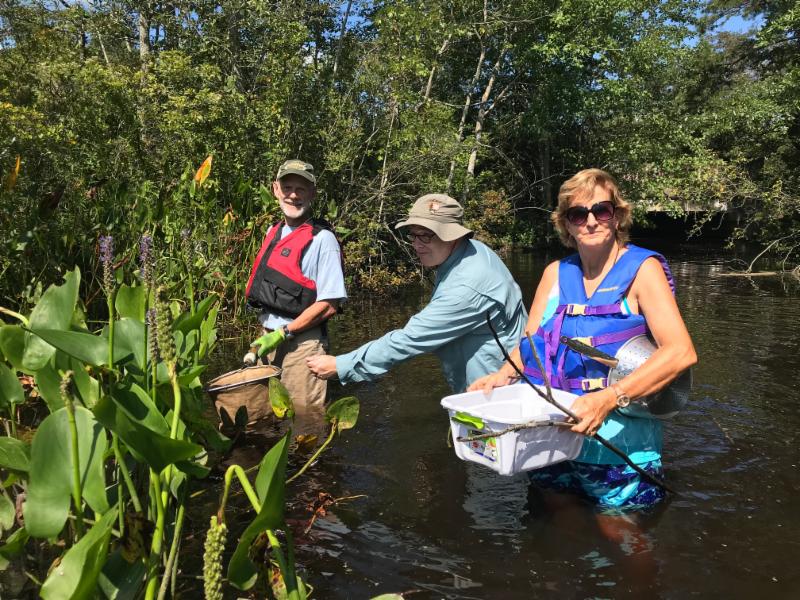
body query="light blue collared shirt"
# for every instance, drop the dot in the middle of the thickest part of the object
(472, 281)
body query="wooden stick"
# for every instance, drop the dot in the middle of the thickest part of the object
(510, 428)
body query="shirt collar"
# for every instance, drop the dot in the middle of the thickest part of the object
(455, 256)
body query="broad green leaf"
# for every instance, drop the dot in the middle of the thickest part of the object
(208, 332)
(50, 472)
(146, 444)
(75, 577)
(12, 343)
(187, 321)
(388, 597)
(188, 344)
(187, 376)
(279, 399)
(13, 546)
(88, 348)
(48, 382)
(121, 580)
(129, 341)
(11, 391)
(8, 512)
(193, 468)
(131, 302)
(14, 454)
(343, 413)
(140, 406)
(88, 387)
(53, 312)
(242, 572)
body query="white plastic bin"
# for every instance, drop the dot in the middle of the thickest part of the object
(474, 413)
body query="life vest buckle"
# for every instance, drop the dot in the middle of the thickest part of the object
(595, 383)
(584, 340)
(576, 309)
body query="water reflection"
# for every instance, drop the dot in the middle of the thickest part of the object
(443, 528)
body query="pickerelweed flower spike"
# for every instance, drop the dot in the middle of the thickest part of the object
(106, 258)
(166, 343)
(145, 259)
(152, 333)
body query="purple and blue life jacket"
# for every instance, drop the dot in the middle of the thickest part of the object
(605, 322)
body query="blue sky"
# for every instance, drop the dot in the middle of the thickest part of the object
(737, 24)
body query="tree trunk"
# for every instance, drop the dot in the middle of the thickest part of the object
(482, 112)
(144, 37)
(544, 167)
(427, 95)
(465, 112)
(384, 168)
(342, 31)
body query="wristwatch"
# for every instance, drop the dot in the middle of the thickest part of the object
(286, 333)
(623, 399)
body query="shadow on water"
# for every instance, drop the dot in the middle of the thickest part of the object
(441, 528)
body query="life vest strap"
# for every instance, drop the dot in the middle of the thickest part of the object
(574, 310)
(612, 338)
(578, 383)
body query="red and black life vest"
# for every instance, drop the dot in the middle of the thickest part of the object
(277, 283)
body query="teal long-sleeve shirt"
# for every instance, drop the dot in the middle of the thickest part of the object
(472, 281)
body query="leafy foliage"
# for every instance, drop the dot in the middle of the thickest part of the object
(389, 99)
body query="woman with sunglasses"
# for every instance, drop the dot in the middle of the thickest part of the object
(605, 294)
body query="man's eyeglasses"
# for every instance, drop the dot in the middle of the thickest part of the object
(602, 211)
(425, 238)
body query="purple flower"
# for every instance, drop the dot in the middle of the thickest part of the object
(106, 258)
(146, 259)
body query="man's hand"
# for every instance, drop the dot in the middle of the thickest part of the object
(269, 341)
(322, 366)
(488, 382)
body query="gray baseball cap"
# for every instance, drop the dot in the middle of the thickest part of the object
(441, 214)
(297, 167)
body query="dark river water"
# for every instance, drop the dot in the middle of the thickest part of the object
(431, 526)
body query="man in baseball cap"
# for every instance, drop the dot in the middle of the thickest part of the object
(297, 284)
(471, 282)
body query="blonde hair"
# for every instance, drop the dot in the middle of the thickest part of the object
(582, 184)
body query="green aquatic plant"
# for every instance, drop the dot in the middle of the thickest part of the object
(108, 417)
(105, 481)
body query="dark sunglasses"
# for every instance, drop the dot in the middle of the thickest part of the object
(602, 211)
(425, 238)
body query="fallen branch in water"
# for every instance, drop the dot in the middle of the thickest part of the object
(757, 274)
(530, 425)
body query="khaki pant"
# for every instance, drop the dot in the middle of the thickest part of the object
(306, 391)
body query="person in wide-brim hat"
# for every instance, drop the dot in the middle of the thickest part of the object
(441, 214)
(471, 281)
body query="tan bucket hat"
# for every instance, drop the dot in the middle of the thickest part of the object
(441, 214)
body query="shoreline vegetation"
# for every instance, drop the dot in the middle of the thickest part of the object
(106, 112)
